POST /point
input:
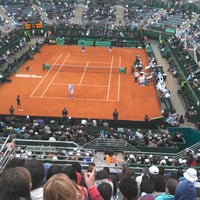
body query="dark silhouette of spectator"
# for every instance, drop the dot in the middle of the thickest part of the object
(36, 168)
(15, 184)
(128, 188)
(15, 162)
(105, 190)
(53, 169)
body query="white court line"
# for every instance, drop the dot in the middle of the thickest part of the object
(84, 85)
(95, 55)
(45, 76)
(80, 99)
(109, 82)
(85, 68)
(54, 76)
(78, 61)
(119, 76)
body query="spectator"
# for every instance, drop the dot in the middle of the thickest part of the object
(150, 184)
(53, 169)
(36, 168)
(185, 190)
(15, 184)
(170, 188)
(58, 187)
(128, 188)
(102, 176)
(90, 181)
(191, 175)
(105, 190)
(71, 173)
(77, 167)
(145, 172)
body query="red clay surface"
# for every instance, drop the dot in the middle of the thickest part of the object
(45, 92)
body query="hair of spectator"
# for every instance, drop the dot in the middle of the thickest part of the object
(36, 169)
(171, 185)
(15, 183)
(105, 190)
(54, 169)
(128, 188)
(59, 187)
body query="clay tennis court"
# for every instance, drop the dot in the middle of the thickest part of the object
(100, 87)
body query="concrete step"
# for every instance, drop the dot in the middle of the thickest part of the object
(119, 15)
(4, 15)
(78, 14)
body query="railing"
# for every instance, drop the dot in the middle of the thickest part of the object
(116, 145)
(61, 153)
(195, 148)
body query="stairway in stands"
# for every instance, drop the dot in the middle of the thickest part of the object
(43, 14)
(4, 15)
(119, 15)
(78, 13)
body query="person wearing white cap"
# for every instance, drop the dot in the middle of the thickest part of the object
(154, 170)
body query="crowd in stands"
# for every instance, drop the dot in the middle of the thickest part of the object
(34, 180)
(100, 12)
(139, 15)
(187, 64)
(141, 159)
(58, 11)
(82, 131)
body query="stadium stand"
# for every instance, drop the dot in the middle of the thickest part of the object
(138, 145)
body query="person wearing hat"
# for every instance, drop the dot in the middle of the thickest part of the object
(147, 185)
(185, 190)
(191, 175)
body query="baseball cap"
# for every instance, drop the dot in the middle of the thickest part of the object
(153, 169)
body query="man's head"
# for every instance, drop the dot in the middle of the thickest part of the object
(36, 168)
(105, 190)
(171, 185)
(128, 188)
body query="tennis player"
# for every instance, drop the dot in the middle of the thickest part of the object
(83, 49)
(71, 90)
(110, 49)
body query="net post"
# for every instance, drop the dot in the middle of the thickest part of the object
(122, 70)
(46, 66)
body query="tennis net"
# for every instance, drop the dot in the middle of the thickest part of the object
(86, 69)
